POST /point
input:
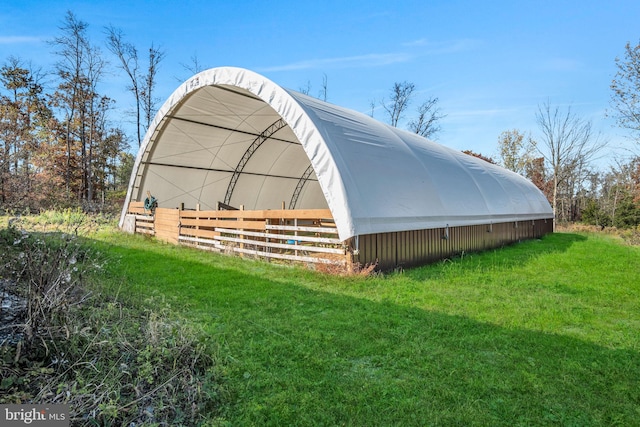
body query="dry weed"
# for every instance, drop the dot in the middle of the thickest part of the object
(631, 236)
(337, 265)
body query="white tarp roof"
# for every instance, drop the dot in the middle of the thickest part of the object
(230, 125)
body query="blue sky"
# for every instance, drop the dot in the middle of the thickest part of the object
(490, 63)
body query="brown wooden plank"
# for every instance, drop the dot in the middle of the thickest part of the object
(194, 232)
(166, 225)
(166, 236)
(302, 228)
(286, 246)
(136, 208)
(267, 235)
(223, 223)
(303, 258)
(299, 214)
(195, 222)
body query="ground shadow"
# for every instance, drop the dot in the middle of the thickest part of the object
(297, 356)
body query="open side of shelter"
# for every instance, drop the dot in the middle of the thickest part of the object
(239, 164)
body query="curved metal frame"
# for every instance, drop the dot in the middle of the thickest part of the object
(301, 182)
(260, 139)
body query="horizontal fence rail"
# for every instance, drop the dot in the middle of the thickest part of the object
(303, 235)
(143, 220)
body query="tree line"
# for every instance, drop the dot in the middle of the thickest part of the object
(59, 146)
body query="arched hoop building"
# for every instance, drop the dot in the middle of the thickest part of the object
(238, 163)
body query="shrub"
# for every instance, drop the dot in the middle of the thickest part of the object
(593, 214)
(627, 214)
(113, 362)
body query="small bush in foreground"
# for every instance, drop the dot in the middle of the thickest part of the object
(114, 363)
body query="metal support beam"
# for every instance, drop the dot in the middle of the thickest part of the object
(301, 182)
(260, 139)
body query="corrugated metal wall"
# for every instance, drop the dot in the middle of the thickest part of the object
(419, 247)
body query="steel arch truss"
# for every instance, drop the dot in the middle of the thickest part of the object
(260, 139)
(301, 182)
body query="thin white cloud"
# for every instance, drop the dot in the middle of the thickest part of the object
(442, 47)
(18, 39)
(369, 60)
(379, 59)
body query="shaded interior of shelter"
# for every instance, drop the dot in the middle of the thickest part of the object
(223, 145)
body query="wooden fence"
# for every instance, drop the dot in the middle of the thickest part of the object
(304, 235)
(143, 221)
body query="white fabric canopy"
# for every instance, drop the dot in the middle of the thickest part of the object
(230, 135)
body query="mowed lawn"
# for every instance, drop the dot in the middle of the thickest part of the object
(544, 332)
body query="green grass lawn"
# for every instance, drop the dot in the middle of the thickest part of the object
(544, 332)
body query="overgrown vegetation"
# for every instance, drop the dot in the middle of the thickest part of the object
(63, 340)
(629, 235)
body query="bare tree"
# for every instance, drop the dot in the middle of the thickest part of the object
(322, 93)
(71, 49)
(625, 98)
(141, 86)
(149, 100)
(194, 67)
(94, 66)
(323, 88)
(427, 123)
(401, 95)
(80, 69)
(372, 104)
(127, 54)
(305, 89)
(570, 145)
